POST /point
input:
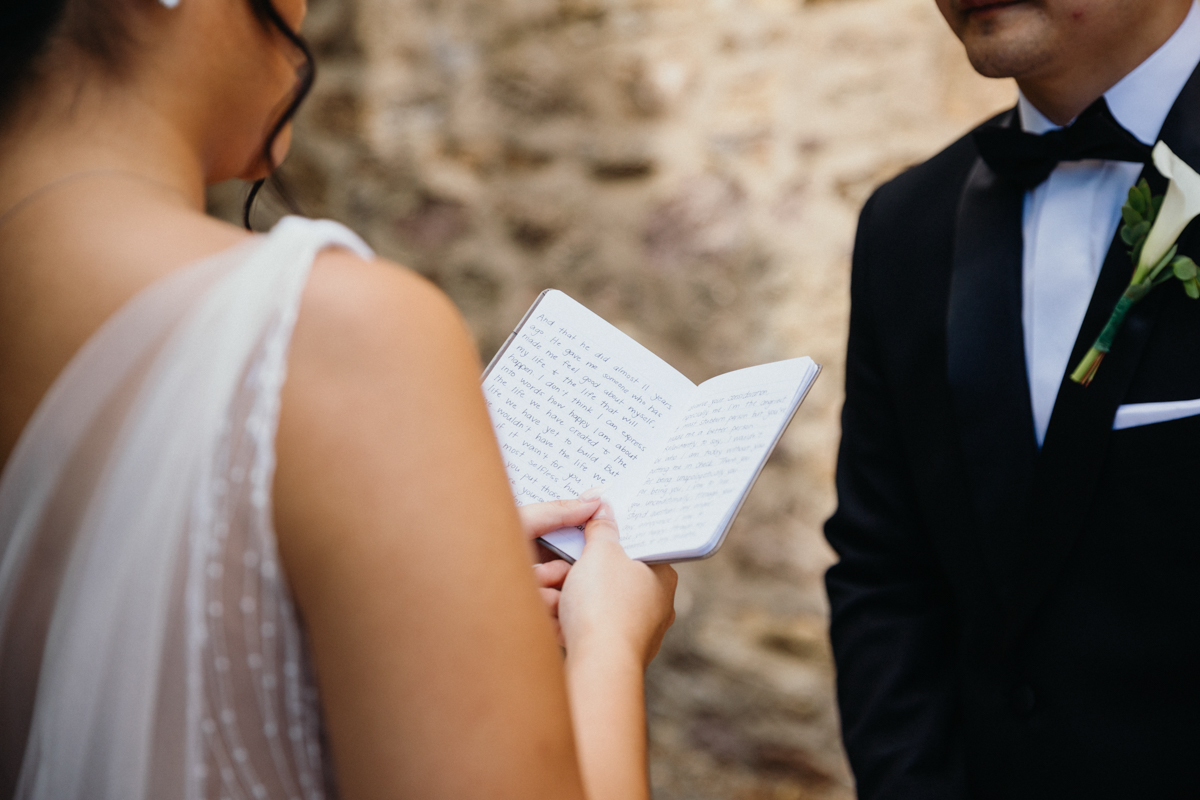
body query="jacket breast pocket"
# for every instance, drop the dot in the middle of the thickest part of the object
(1135, 415)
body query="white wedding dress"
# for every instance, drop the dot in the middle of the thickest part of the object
(149, 648)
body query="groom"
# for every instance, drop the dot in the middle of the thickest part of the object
(1016, 612)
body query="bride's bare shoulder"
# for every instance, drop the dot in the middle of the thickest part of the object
(378, 353)
(382, 423)
(380, 361)
(373, 313)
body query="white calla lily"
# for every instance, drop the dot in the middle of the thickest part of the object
(1180, 207)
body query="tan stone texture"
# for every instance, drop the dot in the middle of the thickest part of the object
(691, 170)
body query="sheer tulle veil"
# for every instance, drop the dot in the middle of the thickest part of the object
(148, 644)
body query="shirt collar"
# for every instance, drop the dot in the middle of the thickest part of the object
(1142, 99)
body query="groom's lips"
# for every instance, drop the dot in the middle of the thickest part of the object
(984, 6)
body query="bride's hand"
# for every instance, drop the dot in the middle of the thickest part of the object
(611, 603)
(542, 518)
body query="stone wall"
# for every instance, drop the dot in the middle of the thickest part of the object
(692, 171)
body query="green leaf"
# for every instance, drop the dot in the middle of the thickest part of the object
(1156, 206)
(1136, 253)
(1137, 200)
(1184, 268)
(1131, 215)
(1192, 288)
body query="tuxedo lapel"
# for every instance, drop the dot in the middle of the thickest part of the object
(986, 360)
(1072, 457)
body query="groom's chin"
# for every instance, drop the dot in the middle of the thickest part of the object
(1003, 38)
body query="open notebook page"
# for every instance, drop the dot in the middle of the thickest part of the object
(576, 403)
(680, 505)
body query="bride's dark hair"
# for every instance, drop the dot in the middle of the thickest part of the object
(28, 28)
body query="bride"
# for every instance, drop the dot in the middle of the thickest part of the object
(256, 540)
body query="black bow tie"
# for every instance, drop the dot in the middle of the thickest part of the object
(1027, 159)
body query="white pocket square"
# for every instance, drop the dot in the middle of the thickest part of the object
(1135, 414)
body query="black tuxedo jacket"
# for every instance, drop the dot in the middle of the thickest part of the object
(1009, 622)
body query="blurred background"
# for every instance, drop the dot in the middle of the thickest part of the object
(692, 171)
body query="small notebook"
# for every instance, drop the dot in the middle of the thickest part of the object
(576, 404)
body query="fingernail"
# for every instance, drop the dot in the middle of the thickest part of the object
(604, 512)
(591, 494)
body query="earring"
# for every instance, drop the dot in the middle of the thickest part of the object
(169, 3)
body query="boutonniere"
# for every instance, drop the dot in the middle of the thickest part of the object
(1151, 225)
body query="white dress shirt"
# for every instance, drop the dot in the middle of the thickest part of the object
(1070, 219)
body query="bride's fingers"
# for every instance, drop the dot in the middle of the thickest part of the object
(542, 518)
(550, 598)
(667, 576)
(551, 574)
(602, 526)
(668, 579)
